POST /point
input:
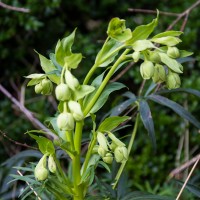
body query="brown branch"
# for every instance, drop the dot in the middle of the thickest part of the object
(183, 166)
(17, 143)
(152, 12)
(122, 72)
(25, 10)
(36, 123)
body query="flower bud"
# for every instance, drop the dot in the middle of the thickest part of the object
(62, 92)
(101, 151)
(47, 86)
(38, 88)
(173, 52)
(95, 149)
(159, 75)
(71, 81)
(113, 146)
(65, 122)
(76, 111)
(40, 172)
(173, 80)
(154, 57)
(147, 69)
(136, 56)
(121, 154)
(115, 139)
(108, 158)
(51, 164)
(102, 140)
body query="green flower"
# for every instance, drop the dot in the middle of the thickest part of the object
(47, 87)
(173, 80)
(159, 75)
(173, 52)
(76, 111)
(147, 69)
(51, 164)
(62, 92)
(121, 154)
(65, 121)
(108, 158)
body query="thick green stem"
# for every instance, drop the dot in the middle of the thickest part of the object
(76, 162)
(104, 83)
(129, 150)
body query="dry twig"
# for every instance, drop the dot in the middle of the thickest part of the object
(27, 113)
(25, 10)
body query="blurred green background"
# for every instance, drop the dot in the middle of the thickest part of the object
(49, 20)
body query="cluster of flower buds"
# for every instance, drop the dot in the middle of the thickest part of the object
(154, 66)
(44, 87)
(64, 92)
(41, 171)
(116, 149)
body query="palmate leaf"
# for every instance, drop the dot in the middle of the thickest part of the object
(145, 114)
(192, 188)
(182, 112)
(187, 90)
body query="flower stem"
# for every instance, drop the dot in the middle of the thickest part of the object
(104, 83)
(129, 150)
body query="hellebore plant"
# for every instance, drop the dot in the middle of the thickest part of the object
(157, 56)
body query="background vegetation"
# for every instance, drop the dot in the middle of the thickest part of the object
(49, 20)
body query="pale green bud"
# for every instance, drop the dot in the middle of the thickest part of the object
(159, 75)
(173, 52)
(136, 56)
(47, 87)
(51, 164)
(62, 92)
(95, 149)
(115, 139)
(108, 158)
(101, 151)
(71, 81)
(40, 172)
(38, 88)
(173, 80)
(154, 57)
(147, 69)
(65, 121)
(112, 146)
(76, 111)
(102, 140)
(121, 154)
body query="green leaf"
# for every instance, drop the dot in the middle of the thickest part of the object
(171, 63)
(145, 114)
(111, 87)
(47, 67)
(108, 52)
(35, 76)
(168, 40)
(141, 45)
(176, 108)
(142, 32)
(105, 166)
(118, 31)
(73, 60)
(45, 145)
(83, 91)
(184, 53)
(34, 81)
(63, 48)
(52, 57)
(111, 122)
(168, 33)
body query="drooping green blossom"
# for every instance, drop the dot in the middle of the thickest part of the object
(159, 75)
(47, 87)
(71, 81)
(173, 80)
(76, 111)
(147, 69)
(108, 158)
(121, 154)
(62, 92)
(173, 52)
(51, 164)
(40, 172)
(65, 121)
